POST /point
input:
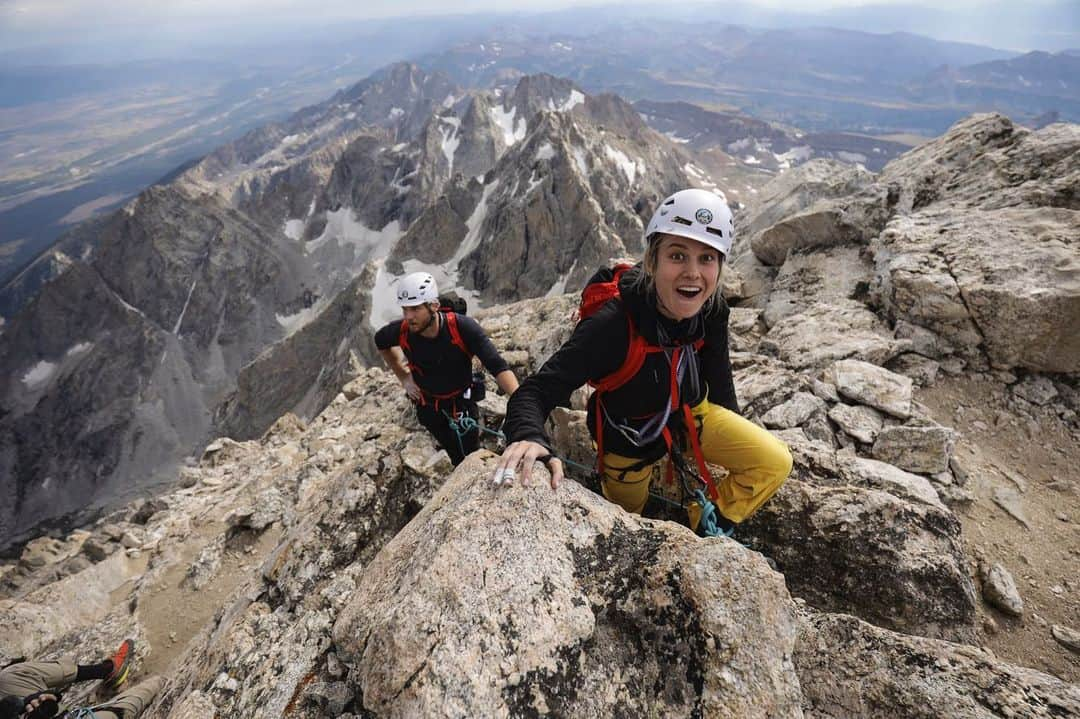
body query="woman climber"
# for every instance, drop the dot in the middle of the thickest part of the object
(656, 353)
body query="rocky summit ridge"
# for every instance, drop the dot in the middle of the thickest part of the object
(335, 566)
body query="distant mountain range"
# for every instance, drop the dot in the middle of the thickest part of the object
(817, 79)
(79, 141)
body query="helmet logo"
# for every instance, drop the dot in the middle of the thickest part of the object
(403, 294)
(703, 216)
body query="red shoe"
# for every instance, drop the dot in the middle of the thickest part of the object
(121, 660)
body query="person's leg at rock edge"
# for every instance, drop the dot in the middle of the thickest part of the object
(27, 678)
(757, 462)
(131, 702)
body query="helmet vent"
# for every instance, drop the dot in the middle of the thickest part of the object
(671, 201)
(682, 221)
(714, 231)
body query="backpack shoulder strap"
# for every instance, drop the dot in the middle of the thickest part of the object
(403, 336)
(636, 351)
(455, 334)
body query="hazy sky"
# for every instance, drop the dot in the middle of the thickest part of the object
(105, 23)
(41, 14)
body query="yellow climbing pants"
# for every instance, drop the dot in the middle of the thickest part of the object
(756, 461)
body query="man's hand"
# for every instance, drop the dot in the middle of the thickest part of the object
(410, 387)
(524, 454)
(42, 706)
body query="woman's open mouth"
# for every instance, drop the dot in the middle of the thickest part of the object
(689, 292)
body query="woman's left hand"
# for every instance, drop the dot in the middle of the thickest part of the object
(525, 454)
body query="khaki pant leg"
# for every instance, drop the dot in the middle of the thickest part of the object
(757, 462)
(628, 488)
(132, 701)
(31, 677)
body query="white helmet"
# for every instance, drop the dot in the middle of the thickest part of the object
(697, 214)
(417, 289)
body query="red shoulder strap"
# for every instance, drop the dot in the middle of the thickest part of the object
(636, 351)
(403, 336)
(455, 335)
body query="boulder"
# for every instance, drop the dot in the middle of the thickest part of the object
(864, 472)
(1066, 637)
(830, 275)
(917, 449)
(1015, 295)
(861, 422)
(794, 411)
(517, 601)
(869, 384)
(795, 191)
(1000, 590)
(821, 333)
(891, 561)
(848, 668)
(1036, 389)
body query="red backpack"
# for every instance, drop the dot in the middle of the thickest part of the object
(600, 289)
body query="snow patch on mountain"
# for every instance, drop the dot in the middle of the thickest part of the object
(545, 152)
(507, 122)
(675, 138)
(343, 227)
(183, 310)
(291, 323)
(795, 156)
(576, 98)
(294, 229)
(559, 288)
(629, 167)
(579, 161)
(702, 179)
(474, 224)
(450, 140)
(39, 374)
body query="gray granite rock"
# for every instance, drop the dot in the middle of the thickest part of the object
(861, 422)
(872, 385)
(1000, 590)
(926, 450)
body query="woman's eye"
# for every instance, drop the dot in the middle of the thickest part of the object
(677, 256)
(705, 259)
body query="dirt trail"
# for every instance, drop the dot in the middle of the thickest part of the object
(173, 613)
(1038, 461)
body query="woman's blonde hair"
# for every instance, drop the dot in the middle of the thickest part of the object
(645, 282)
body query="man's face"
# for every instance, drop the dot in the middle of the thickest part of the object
(418, 317)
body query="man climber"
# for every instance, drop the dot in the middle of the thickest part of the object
(431, 350)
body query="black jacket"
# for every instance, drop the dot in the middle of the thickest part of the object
(598, 348)
(444, 368)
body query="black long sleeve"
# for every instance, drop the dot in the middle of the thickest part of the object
(481, 345)
(595, 349)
